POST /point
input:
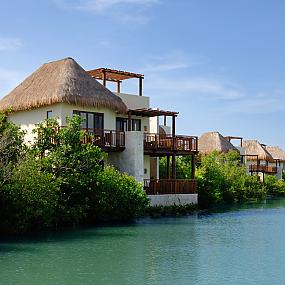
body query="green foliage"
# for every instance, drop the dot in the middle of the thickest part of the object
(274, 186)
(11, 147)
(183, 167)
(221, 178)
(31, 198)
(116, 197)
(61, 182)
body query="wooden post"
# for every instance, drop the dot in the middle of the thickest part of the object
(164, 120)
(129, 122)
(168, 166)
(193, 166)
(119, 86)
(173, 166)
(104, 78)
(140, 86)
(173, 126)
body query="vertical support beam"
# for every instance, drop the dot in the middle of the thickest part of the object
(104, 78)
(140, 86)
(173, 166)
(173, 125)
(129, 122)
(119, 86)
(193, 166)
(164, 123)
(168, 166)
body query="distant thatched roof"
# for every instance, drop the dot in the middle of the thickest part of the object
(211, 141)
(276, 152)
(253, 147)
(62, 81)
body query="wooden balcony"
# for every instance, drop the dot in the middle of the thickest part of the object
(262, 168)
(156, 145)
(169, 186)
(107, 140)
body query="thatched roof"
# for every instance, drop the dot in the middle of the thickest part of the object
(62, 81)
(211, 141)
(253, 147)
(276, 152)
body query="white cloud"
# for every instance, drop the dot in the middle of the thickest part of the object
(122, 10)
(204, 87)
(9, 44)
(105, 5)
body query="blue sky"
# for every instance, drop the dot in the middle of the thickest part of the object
(220, 63)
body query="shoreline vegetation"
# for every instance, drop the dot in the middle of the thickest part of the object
(59, 182)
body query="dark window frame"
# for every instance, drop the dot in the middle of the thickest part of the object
(124, 122)
(95, 114)
(49, 112)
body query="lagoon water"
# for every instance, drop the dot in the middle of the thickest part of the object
(237, 246)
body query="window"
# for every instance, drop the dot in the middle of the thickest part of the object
(49, 114)
(90, 120)
(136, 125)
(122, 124)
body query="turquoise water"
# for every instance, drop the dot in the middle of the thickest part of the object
(241, 246)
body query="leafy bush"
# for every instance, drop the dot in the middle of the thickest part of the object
(60, 181)
(274, 186)
(31, 198)
(221, 178)
(116, 197)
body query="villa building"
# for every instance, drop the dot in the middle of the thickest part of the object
(123, 125)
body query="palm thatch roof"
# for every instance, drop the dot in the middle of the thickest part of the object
(276, 152)
(253, 147)
(62, 81)
(211, 141)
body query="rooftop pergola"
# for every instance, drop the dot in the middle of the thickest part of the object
(230, 138)
(113, 75)
(148, 112)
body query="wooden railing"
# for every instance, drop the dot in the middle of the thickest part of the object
(172, 143)
(169, 186)
(262, 168)
(104, 138)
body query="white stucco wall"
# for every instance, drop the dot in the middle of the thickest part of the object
(146, 166)
(134, 101)
(28, 119)
(173, 199)
(131, 160)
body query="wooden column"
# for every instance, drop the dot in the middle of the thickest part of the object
(173, 166)
(168, 167)
(193, 166)
(140, 86)
(129, 121)
(173, 126)
(164, 123)
(119, 86)
(104, 78)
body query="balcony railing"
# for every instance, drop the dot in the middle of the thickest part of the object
(169, 186)
(106, 139)
(262, 168)
(182, 144)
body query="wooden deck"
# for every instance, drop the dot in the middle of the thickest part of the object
(107, 140)
(262, 168)
(169, 186)
(156, 145)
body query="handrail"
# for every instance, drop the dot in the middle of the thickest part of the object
(169, 186)
(262, 168)
(154, 141)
